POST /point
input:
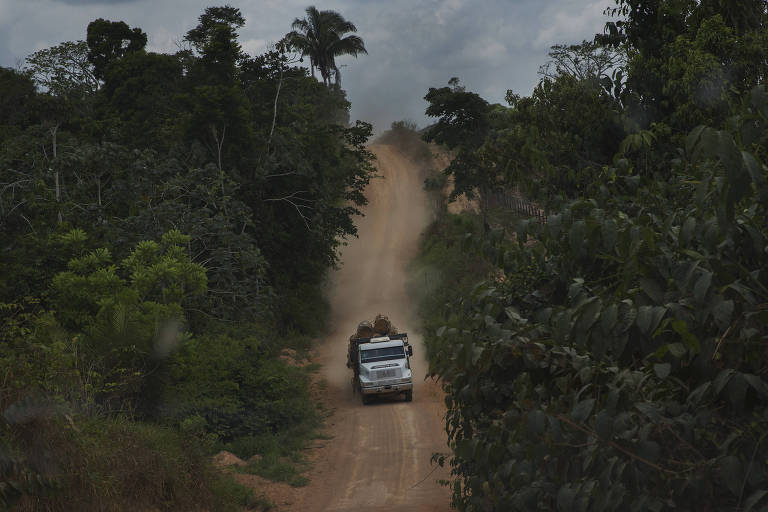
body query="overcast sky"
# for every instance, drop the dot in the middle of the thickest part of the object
(491, 45)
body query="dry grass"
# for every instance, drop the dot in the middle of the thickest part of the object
(114, 464)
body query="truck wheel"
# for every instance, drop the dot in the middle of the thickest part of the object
(409, 395)
(366, 399)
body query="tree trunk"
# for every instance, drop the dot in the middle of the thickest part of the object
(54, 130)
(484, 207)
(274, 110)
(219, 146)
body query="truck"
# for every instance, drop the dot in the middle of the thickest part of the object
(381, 366)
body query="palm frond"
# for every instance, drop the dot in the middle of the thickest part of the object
(320, 37)
(350, 45)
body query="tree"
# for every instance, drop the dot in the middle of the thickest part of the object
(688, 60)
(588, 60)
(741, 15)
(321, 37)
(128, 316)
(463, 124)
(253, 159)
(552, 143)
(17, 95)
(110, 40)
(218, 117)
(215, 39)
(64, 70)
(141, 93)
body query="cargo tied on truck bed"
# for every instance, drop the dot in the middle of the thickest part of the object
(380, 360)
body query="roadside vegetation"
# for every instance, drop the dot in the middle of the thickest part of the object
(615, 356)
(167, 224)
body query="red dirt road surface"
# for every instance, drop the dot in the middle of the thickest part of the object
(379, 457)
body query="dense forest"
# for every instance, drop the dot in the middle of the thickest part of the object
(167, 223)
(614, 356)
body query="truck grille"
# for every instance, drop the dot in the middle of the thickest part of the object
(388, 373)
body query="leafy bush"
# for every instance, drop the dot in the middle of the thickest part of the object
(236, 388)
(120, 321)
(444, 270)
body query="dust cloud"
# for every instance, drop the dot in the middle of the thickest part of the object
(372, 278)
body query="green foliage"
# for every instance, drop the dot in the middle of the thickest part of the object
(462, 116)
(110, 326)
(464, 121)
(216, 33)
(63, 70)
(277, 469)
(155, 275)
(141, 92)
(321, 36)
(584, 62)
(111, 40)
(249, 156)
(554, 143)
(688, 60)
(612, 364)
(616, 359)
(18, 95)
(253, 160)
(444, 271)
(236, 388)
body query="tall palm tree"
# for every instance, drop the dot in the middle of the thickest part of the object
(321, 37)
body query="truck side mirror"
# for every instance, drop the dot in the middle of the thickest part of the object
(410, 350)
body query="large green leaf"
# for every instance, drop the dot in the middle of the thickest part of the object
(754, 499)
(609, 232)
(723, 313)
(731, 473)
(590, 313)
(692, 141)
(582, 410)
(537, 421)
(649, 317)
(608, 317)
(687, 231)
(662, 370)
(702, 285)
(566, 496)
(755, 170)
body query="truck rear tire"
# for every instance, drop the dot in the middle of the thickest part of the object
(409, 395)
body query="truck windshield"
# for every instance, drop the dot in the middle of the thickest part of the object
(382, 354)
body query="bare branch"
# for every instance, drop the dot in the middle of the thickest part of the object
(291, 199)
(280, 174)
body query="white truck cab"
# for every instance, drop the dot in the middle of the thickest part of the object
(384, 367)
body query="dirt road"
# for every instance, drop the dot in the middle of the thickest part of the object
(379, 457)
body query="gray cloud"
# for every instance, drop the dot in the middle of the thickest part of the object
(94, 2)
(492, 45)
